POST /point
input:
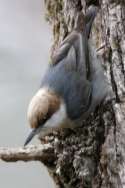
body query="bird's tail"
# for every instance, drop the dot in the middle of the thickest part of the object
(89, 18)
(83, 27)
(83, 22)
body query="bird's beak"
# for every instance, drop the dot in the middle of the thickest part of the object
(31, 135)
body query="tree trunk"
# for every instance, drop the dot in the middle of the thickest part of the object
(94, 155)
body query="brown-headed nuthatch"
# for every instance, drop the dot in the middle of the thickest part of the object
(73, 86)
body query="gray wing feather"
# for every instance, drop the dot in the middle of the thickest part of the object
(60, 54)
(78, 98)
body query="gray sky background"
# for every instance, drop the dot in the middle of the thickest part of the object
(25, 40)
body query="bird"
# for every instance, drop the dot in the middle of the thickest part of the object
(73, 85)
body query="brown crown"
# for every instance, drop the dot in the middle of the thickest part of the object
(42, 106)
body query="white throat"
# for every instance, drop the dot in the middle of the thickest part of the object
(58, 120)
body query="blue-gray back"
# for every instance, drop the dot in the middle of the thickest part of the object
(66, 80)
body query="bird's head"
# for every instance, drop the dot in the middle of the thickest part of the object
(43, 105)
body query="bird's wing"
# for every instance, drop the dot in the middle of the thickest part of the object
(64, 48)
(60, 53)
(68, 81)
(77, 96)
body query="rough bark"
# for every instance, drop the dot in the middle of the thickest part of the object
(43, 153)
(92, 156)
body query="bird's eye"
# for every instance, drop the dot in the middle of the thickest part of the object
(44, 119)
